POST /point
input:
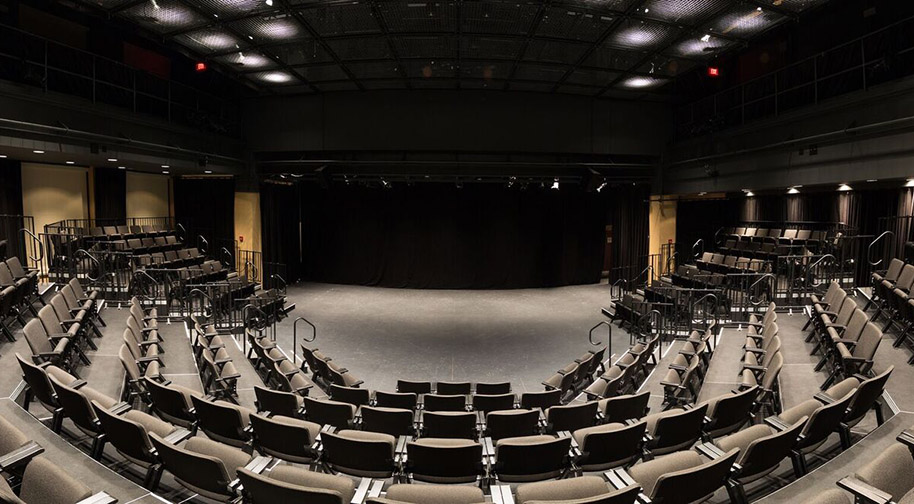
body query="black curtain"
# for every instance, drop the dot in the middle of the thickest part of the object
(110, 196)
(700, 219)
(280, 221)
(437, 235)
(628, 210)
(206, 206)
(11, 220)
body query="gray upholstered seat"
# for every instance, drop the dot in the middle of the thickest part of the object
(430, 494)
(586, 489)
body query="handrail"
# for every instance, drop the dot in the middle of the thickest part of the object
(205, 249)
(253, 266)
(93, 259)
(700, 241)
(276, 276)
(227, 252)
(701, 300)
(204, 296)
(244, 321)
(649, 268)
(183, 230)
(295, 336)
(869, 250)
(40, 245)
(668, 259)
(147, 275)
(752, 289)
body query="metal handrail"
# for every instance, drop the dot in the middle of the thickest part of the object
(204, 296)
(147, 275)
(183, 230)
(701, 242)
(244, 321)
(40, 245)
(93, 259)
(295, 336)
(752, 288)
(253, 267)
(869, 250)
(276, 276)
(668, 260)
(204, 249)
(819, 260)
(231, 257)
(649, 268)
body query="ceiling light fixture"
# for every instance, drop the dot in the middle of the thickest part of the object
(112, 160)
(872, 180)
(845, 187)
(269, 3)
(705, 38)
(2, 156)
(207, 171)
(555, 183)
(909, 183)
(165, 172)
(70, 162)
(38, 151)
(749, 194)
(165, 166)
(793, 190)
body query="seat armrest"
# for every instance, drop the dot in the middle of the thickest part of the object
(77, 384)
(178, 436)
(20, 456)
(757, 351)
(709, 450)
(119, 408)
(776, 423)
(501, 494)
(863, 491)
(99, 498)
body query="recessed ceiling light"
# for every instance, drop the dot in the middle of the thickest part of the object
(165, 172)
(845, 187)
(705, 37)
(269, 3)
(166, 166)
(2, 156)
(121, 167)
(872, 180)
(793, 190)
(70, 162)
(910, 183)
(112, 160)
(207, 171)
(38, 151)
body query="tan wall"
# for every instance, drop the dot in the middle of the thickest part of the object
(147, 195)
(54, 193)
(247, 220)
(662, 224)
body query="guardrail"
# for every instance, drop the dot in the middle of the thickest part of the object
(295, 336)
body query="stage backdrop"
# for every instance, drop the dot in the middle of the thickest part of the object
(436, 235)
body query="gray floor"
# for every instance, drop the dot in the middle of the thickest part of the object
(381, 335)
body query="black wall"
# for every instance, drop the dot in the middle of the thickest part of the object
(206, 206)
(110, 196)
(439, 236)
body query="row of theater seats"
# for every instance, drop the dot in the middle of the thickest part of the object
(845, 337)
(111, 233)
(893, 299)
(577, 375)
(151, 245)
(63, 329)
(30, 478)
(18, 294)
(721, 263)
(775, 235)
(627, 373)
(280, 373)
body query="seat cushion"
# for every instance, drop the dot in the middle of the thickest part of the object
(150, 423)
(647, 473)
(562, 490)
(313, 428)
(232, 458)
(581, 434)
(311, 479)
(804, 409)
(435, 494)
(743, 439)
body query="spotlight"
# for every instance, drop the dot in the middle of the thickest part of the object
(705, 38)
(165, 166)
(844, 187)
(872, 180)
(749, 194)
(270, 3)
(555, 183)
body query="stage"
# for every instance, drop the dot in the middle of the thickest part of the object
(381, 334)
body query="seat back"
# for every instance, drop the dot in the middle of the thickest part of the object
(571, 417)
(679, 430)
(894, 269)
(49, 320)
(170, 403)
(325, 412)
(402, 400)
(493, 388)
(127, 436)
(449, 424)
(692, 485)
(350, 395)
(453, 388)
(406, 386)
(39, 384)
(76, 406)
(732, 411)
(487, 403)
(892, 471)
(512, 423)
(46, 482)
(906, 278)
(220, 421)
(276, 402)
(37, 337)
(866, 395)
(611, 447)
(868, 343)
(824, 421)
(532, 458)
(437, 402)
(444, 460)
(194, 469)
(621, 408)
(767, 452)
(393, 421)
(288, 439)
(368, 456)
(542, 400)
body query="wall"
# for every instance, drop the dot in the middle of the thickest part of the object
(477, 121)
(247, 220)
(662, 223)
(147, 195)
(54, 193)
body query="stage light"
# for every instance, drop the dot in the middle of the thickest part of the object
(713, 71)
(749, 194)
(276, 77)
(844, 187)
(910, 183)
(38, 151)
(200, 66)
(705, 38)
(270, 3)
(555, 184)
(793, 190)
(872, 180)
(641, 82)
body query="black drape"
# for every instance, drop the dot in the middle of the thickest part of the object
(280, 217)
(110, 196)
(700, 219)
(437, 235)
(628, 211)
(11, 207)
(206, 206)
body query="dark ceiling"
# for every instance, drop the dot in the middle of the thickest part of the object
(587, 47)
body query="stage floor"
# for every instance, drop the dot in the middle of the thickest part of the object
(382, 334)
